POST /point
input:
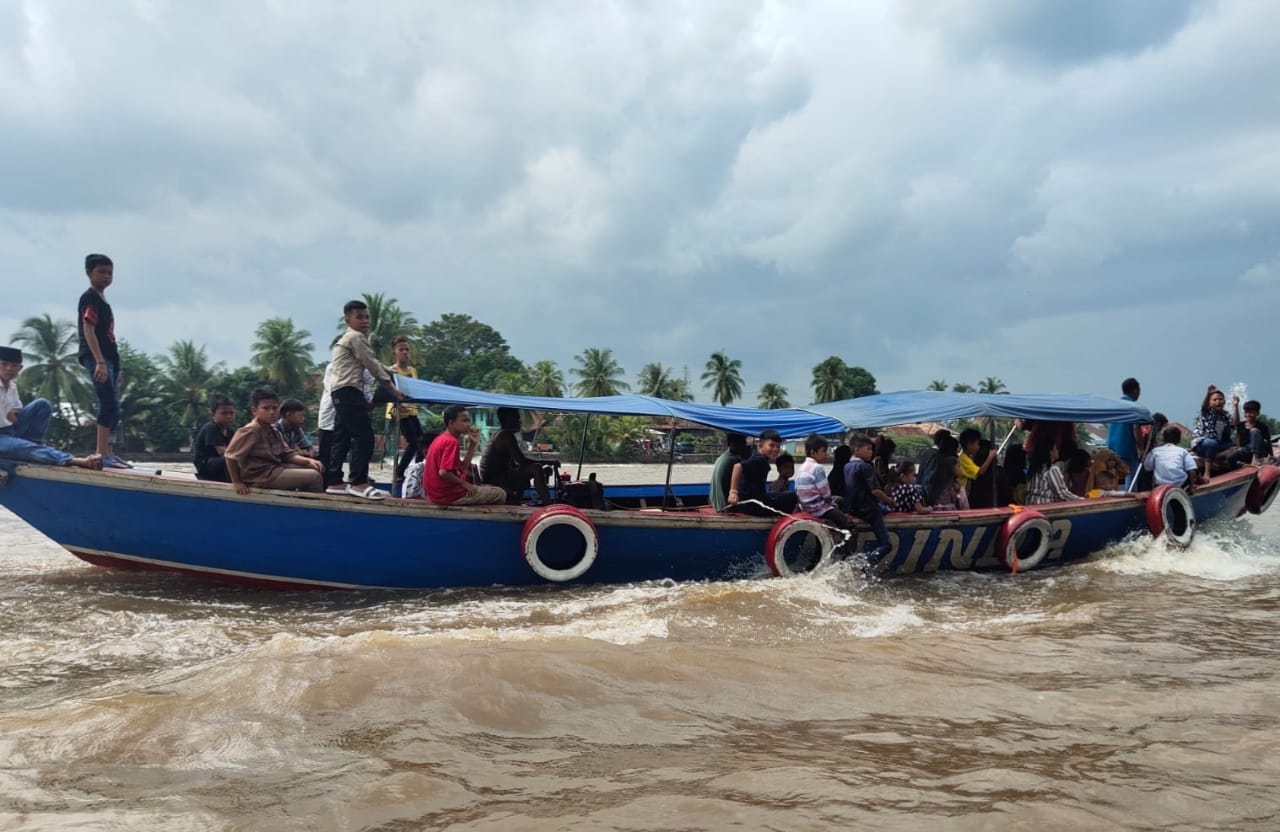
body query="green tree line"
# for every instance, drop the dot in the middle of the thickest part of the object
(165, 397)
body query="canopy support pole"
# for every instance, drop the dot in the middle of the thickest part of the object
(582, 446)
(671, 460)
(995, 479)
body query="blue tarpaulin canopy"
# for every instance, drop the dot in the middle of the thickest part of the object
(744, 420)
(882, 410)
(911, 406)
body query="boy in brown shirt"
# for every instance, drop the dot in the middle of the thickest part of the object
(259, 457)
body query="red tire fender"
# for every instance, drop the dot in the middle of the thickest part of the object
(534, 551)
(1263, 490)
(1170, 513)
(775, 544)
(1014, 532)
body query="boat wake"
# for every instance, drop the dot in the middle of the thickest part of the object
(1223, 552)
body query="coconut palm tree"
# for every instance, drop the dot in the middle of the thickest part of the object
(678, 391)
(186, 373)
(829, 380)
(282, 353)
(654, 380)
(599, 374)
(723, 377)
(52, 371)
(991, 384)
(937, 384)
(960, 387)
(386, 321)
(546, 379)
(773, 397)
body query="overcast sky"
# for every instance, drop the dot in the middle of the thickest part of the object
(1060, 194)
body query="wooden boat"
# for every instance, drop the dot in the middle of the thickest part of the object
(287, 540)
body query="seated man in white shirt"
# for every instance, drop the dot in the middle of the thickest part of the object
(1172, 464)
(22, 428)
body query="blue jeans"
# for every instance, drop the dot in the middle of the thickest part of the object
(22, 439)
(1210, 448)
(108, 393)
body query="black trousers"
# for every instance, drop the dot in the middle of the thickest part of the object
(411, 430)
(352, 433)
(213, 470)
(332, 475)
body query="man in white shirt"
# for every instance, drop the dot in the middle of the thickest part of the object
(1170, 463)
(22, 428)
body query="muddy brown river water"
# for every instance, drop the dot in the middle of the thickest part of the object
(1140, 690)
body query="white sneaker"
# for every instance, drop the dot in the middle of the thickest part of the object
(336, 489)
(368, 492)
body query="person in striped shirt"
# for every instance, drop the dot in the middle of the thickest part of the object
(812, 488)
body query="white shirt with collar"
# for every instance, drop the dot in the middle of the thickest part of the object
(9, 401)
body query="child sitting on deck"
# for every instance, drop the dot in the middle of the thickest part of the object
(786, 465)
(1170, 463)
(293, 415)
(908, 497)
(864, 494)
(22, 427)
(813, 491)
(212, 441)
(258, 457)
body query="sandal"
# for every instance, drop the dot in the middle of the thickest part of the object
(368, 492)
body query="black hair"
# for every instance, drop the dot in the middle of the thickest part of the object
(735, 440)
(814, 443)
(1079, 460)
(353, 305)
(968, 435)
(905, 467)
(1172, 435)
(1253, 405)
(262, 394)
(940, 434)
(218, 400)
(785, 459)
(505, 413)
(400, 339)
(452, 412)
(428, 436)
(944, 471)
(93, 261)
(1041, 456)
(1130, 387)
(1015, 465)
(1066, 448)
(770, 433)
(291, 406)
(949, 445)
(861, 439)
(840, 457)
(887, 447)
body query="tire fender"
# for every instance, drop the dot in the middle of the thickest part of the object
(534, 549)
(1014, 532)
(1170, 513)
(1262, 492)
(775, 545)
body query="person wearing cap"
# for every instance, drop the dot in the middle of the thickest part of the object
(96, 329)
(22, 427)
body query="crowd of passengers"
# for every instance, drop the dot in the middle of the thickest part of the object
(272, 451)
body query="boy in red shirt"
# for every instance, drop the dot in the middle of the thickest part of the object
(444, 473)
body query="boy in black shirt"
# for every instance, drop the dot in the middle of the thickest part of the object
(96, 328)
(864, 495)
(212, 440)
(749, 477)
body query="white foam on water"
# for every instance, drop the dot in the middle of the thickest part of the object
(1223, 554)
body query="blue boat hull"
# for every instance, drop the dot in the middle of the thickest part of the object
(318, 541)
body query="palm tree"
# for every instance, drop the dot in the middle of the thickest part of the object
(599, 374)
(546, 380)
(829, 380)
(187, 372)
(678, 391)
(282, 353)
(773, 397)
(960, 387)
(991, 385)
(386, 320)
(937, 384)
(654, 380)
(52, 371)
(723, 377)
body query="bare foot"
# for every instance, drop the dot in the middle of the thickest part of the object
(93, 462)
